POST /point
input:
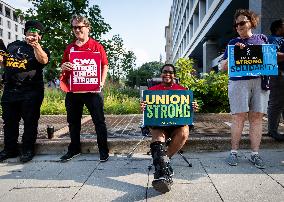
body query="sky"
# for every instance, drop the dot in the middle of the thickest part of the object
(140, 23)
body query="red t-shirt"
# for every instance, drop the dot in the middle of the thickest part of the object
(92, 46)
(172, 87)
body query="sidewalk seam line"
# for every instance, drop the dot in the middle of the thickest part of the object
(211, 181)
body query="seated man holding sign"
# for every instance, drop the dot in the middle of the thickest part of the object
(168, 113)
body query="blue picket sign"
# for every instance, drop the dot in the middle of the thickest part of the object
(253, 60)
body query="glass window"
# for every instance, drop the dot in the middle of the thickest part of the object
(1, 32)
(15, 18)
(1, 8)
(0, 21)
(16, 28)
(16, 37)
(9, 24)
(8, 12)
(9, 35)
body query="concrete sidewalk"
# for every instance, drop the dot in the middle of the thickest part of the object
(129, 179)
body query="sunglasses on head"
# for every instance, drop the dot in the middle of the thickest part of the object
(167, 72)
(33, 30)
(242, 23)
(78, 27)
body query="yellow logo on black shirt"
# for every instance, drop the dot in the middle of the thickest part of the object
(15, 63)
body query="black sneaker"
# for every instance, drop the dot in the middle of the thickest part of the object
(4, 154)
(277, 136)
(162, 183)
(104, 157)
(27, 156)
(162, 179)
(68, 156)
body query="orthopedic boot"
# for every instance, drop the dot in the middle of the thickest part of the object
(162, 177)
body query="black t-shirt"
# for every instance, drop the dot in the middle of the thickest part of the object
(22, 71)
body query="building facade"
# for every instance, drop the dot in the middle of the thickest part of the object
(11, 26)
(201, 29)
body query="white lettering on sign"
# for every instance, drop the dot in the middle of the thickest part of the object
(84, 62)
(85, 71)
(84, 80)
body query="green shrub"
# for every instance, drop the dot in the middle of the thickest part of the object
(116, 89)
(117, 100)
(53, 102)
(211, 91)
(119, 105)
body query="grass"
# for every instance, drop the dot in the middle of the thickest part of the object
(117, 100)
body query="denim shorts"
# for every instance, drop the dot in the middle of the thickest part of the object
(247, 95)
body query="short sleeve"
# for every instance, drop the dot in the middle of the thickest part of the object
(103, 55)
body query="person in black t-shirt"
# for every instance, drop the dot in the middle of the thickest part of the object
(23, 92)
(276, 96)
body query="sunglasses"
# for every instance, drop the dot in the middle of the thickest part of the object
(242, 23)
(78, 27)
(167, 72)
(33, 30)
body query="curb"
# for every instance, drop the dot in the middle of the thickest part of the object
(130, 146)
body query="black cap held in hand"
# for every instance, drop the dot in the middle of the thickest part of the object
(34, 24)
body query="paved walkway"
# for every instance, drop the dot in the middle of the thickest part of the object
(129, 179)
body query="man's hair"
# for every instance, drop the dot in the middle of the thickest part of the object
(168, 65)
(252, 16)
(275, 25)
(82, 19)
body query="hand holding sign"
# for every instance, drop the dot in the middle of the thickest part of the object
(241, 45)
(67, 66)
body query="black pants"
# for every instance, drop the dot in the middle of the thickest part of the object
(74, 104)
(276, 103)
(29, 111)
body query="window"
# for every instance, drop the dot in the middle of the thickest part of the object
(15, 18)
(16, 28)
(16, 37)
(1, 32)
(8, 12)
(1, 8)
(0, 21)
(23, 31)
(9, 24)
(9, 35)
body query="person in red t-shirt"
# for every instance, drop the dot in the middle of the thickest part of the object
(75, 102)
(178, 134)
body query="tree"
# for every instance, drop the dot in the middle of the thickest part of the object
(120, 60)
(138, 77)
(56, 15)
(211, 91)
